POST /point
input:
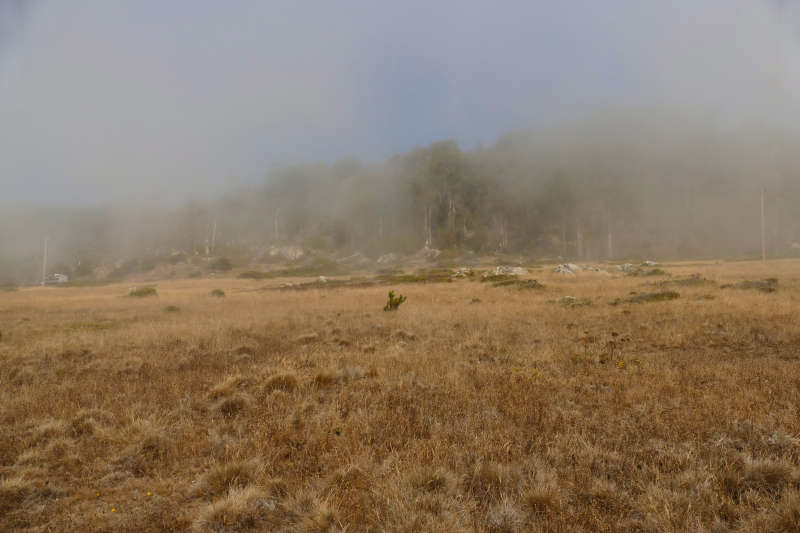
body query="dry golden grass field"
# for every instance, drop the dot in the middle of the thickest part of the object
(471, 408)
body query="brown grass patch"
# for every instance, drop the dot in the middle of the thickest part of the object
(511, 415)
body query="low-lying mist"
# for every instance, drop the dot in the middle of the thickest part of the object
(614, 187)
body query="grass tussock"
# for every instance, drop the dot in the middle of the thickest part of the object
(311, 410)
(221, 479)
(241, 509)
(285, 382)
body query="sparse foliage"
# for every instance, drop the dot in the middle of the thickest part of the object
(393, 302)
(143, 292)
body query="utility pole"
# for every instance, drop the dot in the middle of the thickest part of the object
(214, 235)
(763, 247)
(44, 262)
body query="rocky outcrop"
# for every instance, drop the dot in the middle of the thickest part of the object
(289, 252)
(506, 271)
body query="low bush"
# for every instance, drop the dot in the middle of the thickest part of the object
(145, 291)
(255, 274)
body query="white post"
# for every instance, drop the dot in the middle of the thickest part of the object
(213, 235)
(763, 248)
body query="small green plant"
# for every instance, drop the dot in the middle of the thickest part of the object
(195, 274)
(393, 302)
(2, 337)
(476, 300)
(217, 292)
(145, 291)
(172, 309)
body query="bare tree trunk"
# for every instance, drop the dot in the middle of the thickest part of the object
(610, 251)
(563, 234)
(430, 227)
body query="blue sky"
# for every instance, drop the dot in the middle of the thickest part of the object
(117, 101)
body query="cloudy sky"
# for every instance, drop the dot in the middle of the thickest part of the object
(119, 101)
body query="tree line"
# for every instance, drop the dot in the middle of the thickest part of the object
(613, 187)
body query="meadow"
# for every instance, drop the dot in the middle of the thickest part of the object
(470, 408)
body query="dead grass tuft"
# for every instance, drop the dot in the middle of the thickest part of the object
(486, 415)
(762, 475)
(324, 379)
(220, 479)
(285, 382)
(505, 517)
(401, 334)
(430, 479)
(231, 385)
(543, 497)
(241, 509)
(487, 481)
(232, 405)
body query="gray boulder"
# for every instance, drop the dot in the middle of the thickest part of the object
(506, 271)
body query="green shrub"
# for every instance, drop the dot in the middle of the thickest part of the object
(221, 264)
(393, 302)
(654, 297)
(519, 284)
(496, 278)
(217, 292)
(195, 274)
(141, 293)
(255, 274)
(172, 309)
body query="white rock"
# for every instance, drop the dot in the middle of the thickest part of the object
(322, 279)
(289, 252)
(649, 264)
(506, 271)
(462, 272)
(572, 267)
(562, 269)
(627, 267)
